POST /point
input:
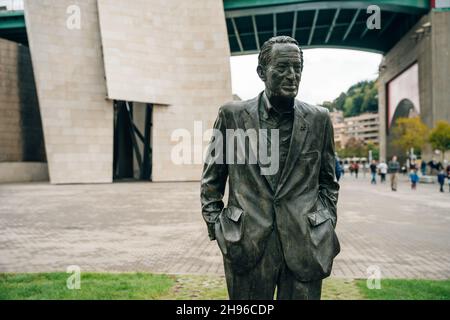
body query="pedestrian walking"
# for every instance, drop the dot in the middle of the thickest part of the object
(448, 177)
(433, 167)
(342, 168)
(412, 165)
(394, 168)
(423, 167)
(338, 169)
(414, 177)
(441, 179)
(383, 168)
(373, 172)
(356, 169)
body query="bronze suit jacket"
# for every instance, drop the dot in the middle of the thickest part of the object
(302, 208)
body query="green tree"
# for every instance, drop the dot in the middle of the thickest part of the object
(329, 105)
(339, 101)
(357, 104)
(348, 106)
(353, 148)
(360, 97)
(440, 136)
(410, 133)
(375, 150)
(370, 102)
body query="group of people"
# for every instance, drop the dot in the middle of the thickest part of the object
(340, 171)
(437, 168)
(380, 168)
(393, 168)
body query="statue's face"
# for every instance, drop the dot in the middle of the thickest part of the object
(282, 76)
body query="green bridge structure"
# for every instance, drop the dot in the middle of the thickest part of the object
(334, 24)
(338, 24)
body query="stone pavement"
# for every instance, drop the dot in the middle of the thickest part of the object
(157, 227)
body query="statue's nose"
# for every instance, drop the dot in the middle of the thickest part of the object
(291, 73)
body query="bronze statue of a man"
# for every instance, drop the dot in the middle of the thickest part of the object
(277, 230)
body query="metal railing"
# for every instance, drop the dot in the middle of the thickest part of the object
(11, 5)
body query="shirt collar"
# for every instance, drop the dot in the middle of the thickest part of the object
(268, 108)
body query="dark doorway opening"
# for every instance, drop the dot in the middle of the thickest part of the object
(132, 141)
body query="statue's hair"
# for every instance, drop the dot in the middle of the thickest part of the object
(265, 56)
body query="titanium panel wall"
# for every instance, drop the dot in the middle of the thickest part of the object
(173, 54)
(68, 67)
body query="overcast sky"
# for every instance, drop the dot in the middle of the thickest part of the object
(326, 73)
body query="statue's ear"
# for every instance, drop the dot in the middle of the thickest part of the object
(261, 73)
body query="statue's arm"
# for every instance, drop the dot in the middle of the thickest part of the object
(328, 185)
(214, 176)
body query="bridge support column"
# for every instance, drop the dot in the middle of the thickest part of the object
(428, 45)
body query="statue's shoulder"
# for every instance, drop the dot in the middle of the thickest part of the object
(312, 110)
(236, 107)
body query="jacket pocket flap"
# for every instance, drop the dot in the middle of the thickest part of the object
(319, 217)
(234, 213)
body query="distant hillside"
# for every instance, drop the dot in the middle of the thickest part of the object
(359, 98)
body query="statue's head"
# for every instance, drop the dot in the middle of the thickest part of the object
(280, 65)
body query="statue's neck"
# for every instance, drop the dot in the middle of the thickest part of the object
(282, 104)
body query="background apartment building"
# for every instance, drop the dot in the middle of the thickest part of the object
(364, 127)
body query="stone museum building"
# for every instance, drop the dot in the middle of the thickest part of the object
(96, 91)
(112, 89)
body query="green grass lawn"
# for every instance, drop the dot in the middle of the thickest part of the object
(105, 286)
(407, 290)
(127, 286)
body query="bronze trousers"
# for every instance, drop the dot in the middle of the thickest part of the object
(270, 274)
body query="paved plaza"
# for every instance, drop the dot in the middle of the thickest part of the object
(157, 227)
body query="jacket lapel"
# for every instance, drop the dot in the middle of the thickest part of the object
(251, 121)
(298, 137)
